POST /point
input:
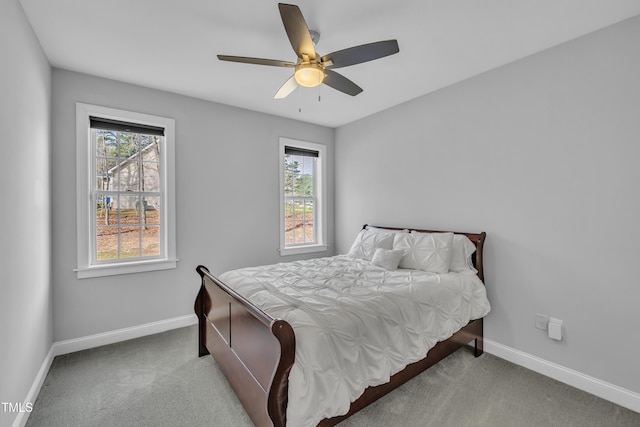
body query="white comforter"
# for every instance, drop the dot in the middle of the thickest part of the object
(356, 324)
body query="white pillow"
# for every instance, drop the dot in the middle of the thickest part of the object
(387, 258)
(425, 251)
(463, 248)
(367, 241)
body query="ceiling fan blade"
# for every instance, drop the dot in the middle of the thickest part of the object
(363, 53)
(341, 83)
(288, 87)
(297, 30)
(258, 61)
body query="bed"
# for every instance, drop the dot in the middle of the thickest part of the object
(256, 322)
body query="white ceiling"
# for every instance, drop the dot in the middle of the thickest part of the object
(172, 45)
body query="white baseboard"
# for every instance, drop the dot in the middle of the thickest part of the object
(610, 392)
(69, 346)
(21, 418)
(92, 341)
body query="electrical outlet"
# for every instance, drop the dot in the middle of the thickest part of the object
(555, 329)
(542, 321)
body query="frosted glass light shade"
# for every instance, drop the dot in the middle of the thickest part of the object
(309, 75)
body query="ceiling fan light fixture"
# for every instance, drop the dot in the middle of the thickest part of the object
(309, 74)
(310, 68)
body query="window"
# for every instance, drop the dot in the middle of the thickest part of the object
(302, 194)
(125, 192)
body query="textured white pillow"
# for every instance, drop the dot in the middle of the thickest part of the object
(425, 251)
(463, 248)
(387, 258)
(367, 241)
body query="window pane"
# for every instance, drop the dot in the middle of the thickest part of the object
(307, 232)
(127, 145)
(129, 242)
(106, 143)
(103, 206)
(290, 172)
(308, 210)
(293, 235)
(128, 172)
(288, 210)
(111, 214)
(128, 210)
(289, 230)
(151, 241)
(151, 215)
(106, 151)
(106, 243)
(150, 148)
(309, 235)
(156, 143)
(102, 181)
(135, 146)
(298, 211)
(150, 179)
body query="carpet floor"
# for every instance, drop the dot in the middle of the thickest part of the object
(159, 380)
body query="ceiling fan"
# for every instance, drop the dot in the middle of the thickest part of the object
(311, 69)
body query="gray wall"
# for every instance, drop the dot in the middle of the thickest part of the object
(25, 227)
(227, 202)
(542, 154)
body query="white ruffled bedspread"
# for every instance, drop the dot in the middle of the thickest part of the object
(356, 324)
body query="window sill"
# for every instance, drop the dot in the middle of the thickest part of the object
(125, 268)
(295, 250)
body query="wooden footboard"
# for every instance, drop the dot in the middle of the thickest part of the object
(256, 351)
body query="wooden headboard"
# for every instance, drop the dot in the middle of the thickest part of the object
(476, 238)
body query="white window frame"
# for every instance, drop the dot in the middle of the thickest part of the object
(320, 184)
(85, 173)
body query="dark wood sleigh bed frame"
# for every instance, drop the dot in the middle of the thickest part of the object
(256, 351)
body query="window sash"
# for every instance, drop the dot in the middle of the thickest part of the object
(119, 225)
(302, 201)
(298, 198)
(119, 195)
